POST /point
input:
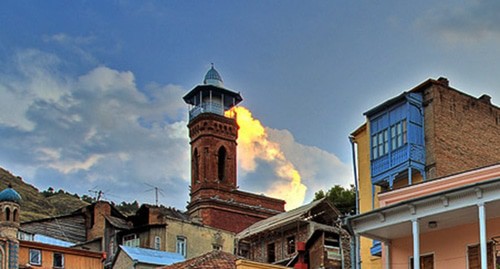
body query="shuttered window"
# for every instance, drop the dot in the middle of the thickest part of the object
(474, 256)
(426, 262)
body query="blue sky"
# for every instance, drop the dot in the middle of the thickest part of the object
(91, 91)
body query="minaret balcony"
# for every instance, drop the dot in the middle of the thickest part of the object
(215, 108)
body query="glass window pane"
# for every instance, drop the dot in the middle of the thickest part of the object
(386, 142)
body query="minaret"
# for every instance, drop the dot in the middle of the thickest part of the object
(215, 198)
(213, 132)
(9, 225)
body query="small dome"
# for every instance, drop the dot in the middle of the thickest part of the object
(10, 195)
(213, 78)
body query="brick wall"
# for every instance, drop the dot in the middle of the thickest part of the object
(258, 246)
(461, 132)
(216, 206)
(97, 223)
(208, 133)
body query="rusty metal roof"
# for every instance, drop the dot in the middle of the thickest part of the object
(320, 210)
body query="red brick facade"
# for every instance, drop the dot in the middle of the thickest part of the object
(214, 195)
(461, 132)
(213, 144)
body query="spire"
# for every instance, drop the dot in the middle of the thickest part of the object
(213, 78)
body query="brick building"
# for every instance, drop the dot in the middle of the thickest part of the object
(309, 236)
(429, 132)
(213, 131)
(100, 227)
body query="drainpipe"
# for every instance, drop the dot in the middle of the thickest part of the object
(357, 259)
(135, 262)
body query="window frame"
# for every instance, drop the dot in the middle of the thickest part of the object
(157, 243)
(290, 243)
(399, 134)
(181, 245)
(271, 252)
(54, 260)
(380, 144)
(31, 252)
(131, 240)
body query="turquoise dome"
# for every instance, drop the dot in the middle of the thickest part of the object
(213, 78)
(10, 195)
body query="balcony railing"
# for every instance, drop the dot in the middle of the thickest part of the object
(214, 108)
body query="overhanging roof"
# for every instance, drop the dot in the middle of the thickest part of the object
(314, 209)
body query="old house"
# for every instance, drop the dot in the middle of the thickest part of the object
(100, 227)
(430, 132)
(449, 222)
(313, 228)
(40, 255)
(18, 253)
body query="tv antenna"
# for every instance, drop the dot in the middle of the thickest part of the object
(157, 191)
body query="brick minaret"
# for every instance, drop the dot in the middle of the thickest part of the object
(9, 225)
(213, 133)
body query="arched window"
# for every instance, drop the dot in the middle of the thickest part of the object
(15, 215)
(196, 166)
(157, 243)
(7, 214)
(222, 164)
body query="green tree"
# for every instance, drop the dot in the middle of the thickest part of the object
(344, 199)
(128, 208)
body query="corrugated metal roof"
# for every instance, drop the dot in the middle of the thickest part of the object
(151, 256)
(297, 214)
(51, 241)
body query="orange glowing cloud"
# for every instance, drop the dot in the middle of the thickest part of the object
(253, 144)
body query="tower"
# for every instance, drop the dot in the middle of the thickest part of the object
(213, 134)
(9, 225)
(213, 131)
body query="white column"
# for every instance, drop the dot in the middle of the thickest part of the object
(482, 235)
(416, 244)
(387, 255)
(357, 257)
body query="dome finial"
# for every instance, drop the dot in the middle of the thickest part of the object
(213, 77)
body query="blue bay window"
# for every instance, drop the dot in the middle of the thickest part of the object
(397, 139)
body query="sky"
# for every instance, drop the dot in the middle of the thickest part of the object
(91, 91)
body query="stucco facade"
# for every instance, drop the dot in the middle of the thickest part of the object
(445, 220)
(199, 239)
(444, 132)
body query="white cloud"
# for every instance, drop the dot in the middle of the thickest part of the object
(30, 79)
(98, 128)
(320, 170)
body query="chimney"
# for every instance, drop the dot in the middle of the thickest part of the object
(485, 99)
(444, 81)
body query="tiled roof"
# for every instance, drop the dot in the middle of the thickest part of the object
(151, 256)
(212, 260)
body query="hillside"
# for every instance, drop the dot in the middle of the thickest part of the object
(35, 205)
